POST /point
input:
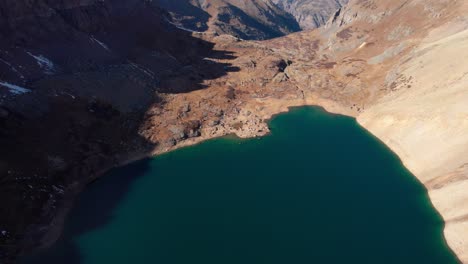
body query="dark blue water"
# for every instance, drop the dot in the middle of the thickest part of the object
(319, 189)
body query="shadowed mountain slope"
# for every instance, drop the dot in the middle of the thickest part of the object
(253, 19)
(76, 78)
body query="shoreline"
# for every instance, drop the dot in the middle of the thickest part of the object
(418, 179)
(404, 163)
(55, 228)
(55, 232)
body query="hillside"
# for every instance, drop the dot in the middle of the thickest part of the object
(254, 19)
(76, 80)
(135, 85)
(311, 13)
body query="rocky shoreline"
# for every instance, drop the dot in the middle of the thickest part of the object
(250, 130)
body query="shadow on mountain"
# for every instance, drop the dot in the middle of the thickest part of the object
(186, 14)
(178, 61)
(252, 20)
(190, 73)
(92, 211)
(134, 53)
(265, 25)
(111, 61)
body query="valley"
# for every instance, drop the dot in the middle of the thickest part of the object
(87, 86)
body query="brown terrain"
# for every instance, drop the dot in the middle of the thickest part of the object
(111, 82)
(253, 19)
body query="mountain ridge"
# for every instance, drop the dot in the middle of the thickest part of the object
(389, 63)
(254, 19)
(311, 14)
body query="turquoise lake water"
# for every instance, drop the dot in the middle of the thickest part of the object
(318, 189)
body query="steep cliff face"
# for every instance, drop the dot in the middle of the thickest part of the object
(254, 19)
(311, 13)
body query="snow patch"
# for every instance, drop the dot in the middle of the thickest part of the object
(142, 69)
(71, 95)
(15, 89)
(57, 189)
(183, 28)
(44, 63)
(100, 43)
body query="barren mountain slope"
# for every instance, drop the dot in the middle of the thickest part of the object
(311, 13)
(369, 61)
(427, 126)
(76, 78)
(377, 60)
(403, 63)
(253, 19)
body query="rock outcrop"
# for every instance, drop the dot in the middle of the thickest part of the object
(311, 13)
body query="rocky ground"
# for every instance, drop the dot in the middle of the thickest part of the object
(250, 20)
(123, 94)
(311, 14)
(253, 19)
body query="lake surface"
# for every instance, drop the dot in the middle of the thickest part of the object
(319, 189)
